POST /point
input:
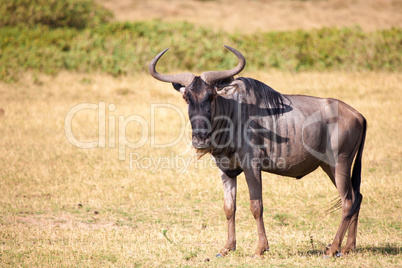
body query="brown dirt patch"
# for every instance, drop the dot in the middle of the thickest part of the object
(264, 15)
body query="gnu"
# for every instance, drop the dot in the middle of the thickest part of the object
(249, 127)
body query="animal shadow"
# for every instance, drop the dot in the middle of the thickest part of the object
(390, 249)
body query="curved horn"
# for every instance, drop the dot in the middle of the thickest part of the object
(183, 78)
(213, 76)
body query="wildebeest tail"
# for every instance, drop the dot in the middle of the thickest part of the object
(356, 175)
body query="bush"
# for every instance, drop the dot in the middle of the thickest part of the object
(54, 13)
(125, 48)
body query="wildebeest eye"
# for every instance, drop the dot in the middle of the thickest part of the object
(185, 97)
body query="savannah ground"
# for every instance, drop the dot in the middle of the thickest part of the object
(62, 205)
(66, 206)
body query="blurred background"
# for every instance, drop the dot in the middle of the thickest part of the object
(250, 16)
(120, 37)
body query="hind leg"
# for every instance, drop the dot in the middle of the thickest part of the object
(340, 176)
(352, 233)
(352, 230)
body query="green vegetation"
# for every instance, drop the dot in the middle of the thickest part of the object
(55, 13)
(76, 35)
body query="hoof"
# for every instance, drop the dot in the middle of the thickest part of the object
(339, 255)
(261, 255)
(224, 252)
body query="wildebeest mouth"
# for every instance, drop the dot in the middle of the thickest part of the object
(201, 146)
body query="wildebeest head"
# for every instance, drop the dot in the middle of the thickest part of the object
(199, 92)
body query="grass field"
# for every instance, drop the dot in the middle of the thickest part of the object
(65, 206)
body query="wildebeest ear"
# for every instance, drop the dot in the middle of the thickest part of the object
(230, 89)
(179, 87)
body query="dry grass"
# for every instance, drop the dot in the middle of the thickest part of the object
(264, 15)
(169, 218)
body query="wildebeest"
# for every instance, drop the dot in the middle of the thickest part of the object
(249, 127)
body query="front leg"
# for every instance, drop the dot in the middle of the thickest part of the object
(229, 189)
(253, 178)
